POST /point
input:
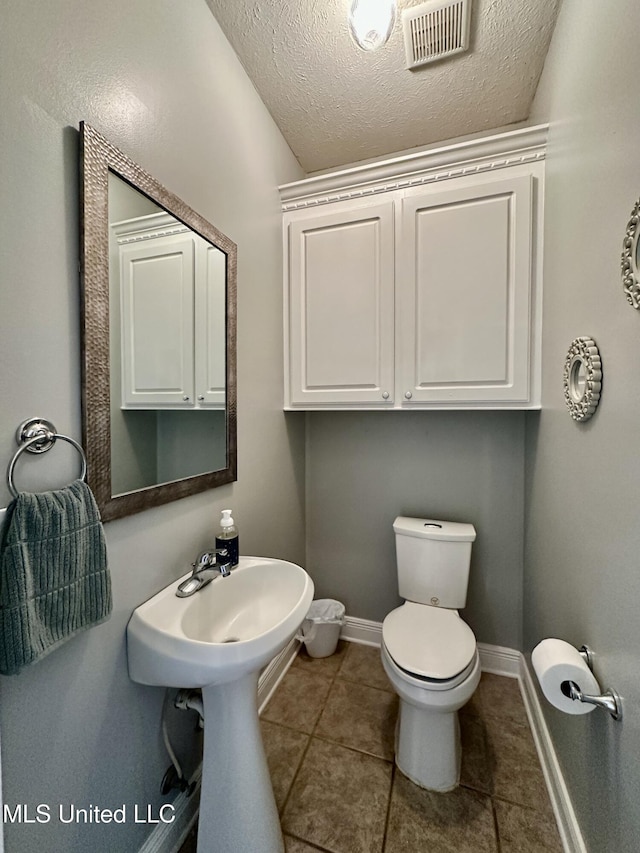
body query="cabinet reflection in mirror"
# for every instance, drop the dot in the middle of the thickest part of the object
(159, 339)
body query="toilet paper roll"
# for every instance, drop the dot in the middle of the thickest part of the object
(555, 662)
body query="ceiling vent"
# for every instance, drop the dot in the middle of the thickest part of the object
(435, 29)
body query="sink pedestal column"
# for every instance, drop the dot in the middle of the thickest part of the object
(238, 812)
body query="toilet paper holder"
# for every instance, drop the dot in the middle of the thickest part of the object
(610, 700)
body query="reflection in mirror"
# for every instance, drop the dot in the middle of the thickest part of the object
(578, 379)
(166, 345)
(159, 339)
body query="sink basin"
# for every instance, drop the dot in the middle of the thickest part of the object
(231, 627)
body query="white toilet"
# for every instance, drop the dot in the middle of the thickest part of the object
(428, 652)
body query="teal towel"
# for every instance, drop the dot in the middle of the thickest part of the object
(54, 579)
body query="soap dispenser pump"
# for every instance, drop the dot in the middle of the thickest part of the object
(227, 537)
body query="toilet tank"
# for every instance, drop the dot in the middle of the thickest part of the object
(433, 560)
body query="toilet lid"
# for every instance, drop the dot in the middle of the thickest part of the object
(429, 641)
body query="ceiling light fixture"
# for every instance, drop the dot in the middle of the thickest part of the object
(371, 22)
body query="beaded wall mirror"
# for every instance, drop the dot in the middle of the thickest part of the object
(582, 378)
(630, 262)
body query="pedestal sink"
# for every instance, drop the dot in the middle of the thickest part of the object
(219, 639)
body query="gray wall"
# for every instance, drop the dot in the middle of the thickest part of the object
(582, 572)
(161, 82)
(365, 468)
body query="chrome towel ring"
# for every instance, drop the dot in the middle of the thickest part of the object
(38, 435)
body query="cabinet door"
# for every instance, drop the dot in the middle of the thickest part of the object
(340, 299)
(210, 326)
(465, 292)
(157, 288)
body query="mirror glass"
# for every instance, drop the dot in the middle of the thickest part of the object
(578, 380)
(159, 339)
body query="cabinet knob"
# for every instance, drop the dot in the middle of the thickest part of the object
(408, 395)
(200, 396)
(186, 399)
(385, 395)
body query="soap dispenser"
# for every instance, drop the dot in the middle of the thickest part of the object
(227, 537)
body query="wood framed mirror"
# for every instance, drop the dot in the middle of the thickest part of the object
(159, 338)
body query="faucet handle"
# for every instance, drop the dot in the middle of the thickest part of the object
(223, 565)
(205, 559)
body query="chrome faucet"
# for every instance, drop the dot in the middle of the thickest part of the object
(205, 569)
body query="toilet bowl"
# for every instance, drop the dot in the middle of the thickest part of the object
(428, 747)
(428, 652)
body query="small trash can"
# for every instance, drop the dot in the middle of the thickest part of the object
(321, 628)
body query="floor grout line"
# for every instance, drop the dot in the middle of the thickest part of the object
(495, 825)
(335, 677)
(326, 739)
(307, 747)
(388, 815)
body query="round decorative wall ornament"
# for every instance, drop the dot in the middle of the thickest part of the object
(630, 262)
(582, 378)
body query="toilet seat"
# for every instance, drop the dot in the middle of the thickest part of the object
(431, 644)
(426, 685)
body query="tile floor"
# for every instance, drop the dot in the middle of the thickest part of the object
(328, 733)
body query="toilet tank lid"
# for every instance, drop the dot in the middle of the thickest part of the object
(430, 528)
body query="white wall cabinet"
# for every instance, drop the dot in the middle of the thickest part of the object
(419, 291)
(342, 304)
(172, 287)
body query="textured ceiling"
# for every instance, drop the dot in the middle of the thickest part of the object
(336, 104)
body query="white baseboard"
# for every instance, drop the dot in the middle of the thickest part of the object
(168, 838)
(568, 826)
(499, 660)
(361, 631)
(275, 671)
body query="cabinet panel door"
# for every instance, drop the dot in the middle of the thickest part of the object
(464, 310)
(341, 292)
(157, 323)
(210, 325)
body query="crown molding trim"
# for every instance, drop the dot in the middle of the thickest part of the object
(517, 147)
(147, 228)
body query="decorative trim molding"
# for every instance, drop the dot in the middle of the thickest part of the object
(516, 147)
(147, 228)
